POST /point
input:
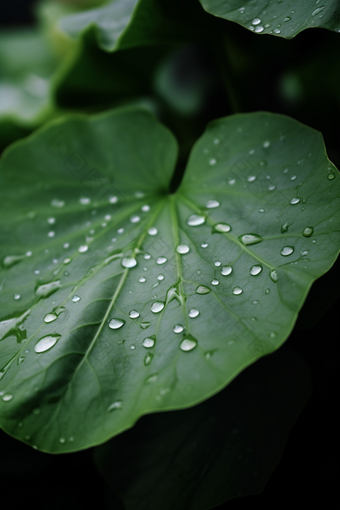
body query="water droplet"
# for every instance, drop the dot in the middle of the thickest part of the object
(152, 231)
(182, 249)
(277, 31)
(146, 208)
(330, 176)
(83, 249)
(271, 188)
(204, 245)
(212, 162)
(116, 405)
(46, 343)
(7, 398)
(151, 379)
(193, 313)
(217, 263)
(214, 282)
(51, 221)
(284, 228)
(20, 360)
(113, 200)
(221, 228)
(273, 276)
(67, 260)
(75, 299)
(17, 297)
(161, 260)
(178, 328)
(287, 250)
(157, 306)
(194, 220)
(132, 347)
(308, 231)
(135, 219)
(267, 291)
(10, 260)
(212, 204)
(249, 239)
(116, 323)
(133, 314)
(145, 325)
(160, 277)
(255, 302)
(188, 344)
(226, 270)
(295, 200)
(305, 253)
(129, 262)
(293, 177)
(287, 18)
(237, 291)
(50, 317)
(202, 289)
(47, 289)
(256, 21)
(259, 29)
(147, 256)
(251, 178)
(149, 342)
(255, 270)
(148, 359)
(317, 10)
(57, 203)
(232, 181)
(142, 279)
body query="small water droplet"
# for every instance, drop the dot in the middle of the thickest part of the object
(148, 359)
(188, 344)
(202, 289)
(46, 343)
(116, 323)
(330, 176)
(21, 359)
(145, 325)
(113, 200)
(152, 231)
(135, 219)
(17, 297)
(237, 291)
(317, 10)
(308, 232)
(295, 200)
(273, 276)
(255, 302)
(287, 250)
(204, 245)
(212, 204)
(212, 162)
(76, 299)
(226, 270)
(267, 291)
(249, 239)
(151, 379)
(57, 203)
(221, 228)
(193, 313)
(178, 328)
(304, 253)
(194, 220)
(157, 306)
(161, 260)
(142, 279)
(83, 249)
(50, 317)
(259, 29)
(284, 228)
(182, 249)
(251, 178)
(147, 256)
(214, 282)
(149, 342)
(255, 270)
(7, 398)
(160, 277)
(217, 263)
(133, 314)
(129, 262)
(287, 18)
(116, 405)
(145, 208)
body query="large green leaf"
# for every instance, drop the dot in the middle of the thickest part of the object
(119, 298)
(128, 23)
(283, 18)
(223, 448)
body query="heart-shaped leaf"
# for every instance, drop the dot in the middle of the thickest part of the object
(223, 448)
(281, 18)
(119, 298)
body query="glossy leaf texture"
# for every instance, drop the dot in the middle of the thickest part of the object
(123, 24)
(223, 448)
(119, 298)
(282, 18)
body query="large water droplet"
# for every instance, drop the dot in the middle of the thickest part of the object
(46, 343)
(249, 239)
(50, 317)
(178, 328)
(308, 231)
(7, 398)
(161, 260)
(149, 342)
(129, 262)
(287, 250)
(133, 314)
(221, 228)
(273, 276)
(255, 270)
(47, 289)
(202, 289)
(116, 405)
(116, 323)
(212, 204)
(194, 220)
(157, 306)
(237, 291)
(193, 313)
(226, 270)
(188, 344)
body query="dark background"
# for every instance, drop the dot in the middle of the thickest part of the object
(308, 472)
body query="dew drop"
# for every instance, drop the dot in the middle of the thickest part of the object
(256, 21)
(330, 176)
(145, 325)
(249, 239)
(160, 277)
(255, 270)
(17, 297)
(148, 359)
(135, 219)
(202, 289)
(147, 256)
(204, 245)
(46, 343)
(214, 282)
(129, 262)
(212, 162)
(194, 220)
(83, 249)
(295, 200)
(151, 379)
(116, 405)
(237, 291)
(221, 228)
(133, 314)
(251, 178)
(157, 306)
(152, 231)
(75, 299)
(284, 228)
(287, 250)
(267, 291)
(142, 279)
(161, 260)
(149, 342)
(50, 317)
(182, 249)
(187, 344)
(145, 208)
(57, 203)
(116, 323)
(47, 289)
(193, 313)
(273, 276)
(7, 398)
(259, 29)
(178, 328)
(226, 270)
(308, 232)
(212, 204)
(217, 263)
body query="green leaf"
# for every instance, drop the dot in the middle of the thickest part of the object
(119, 298)
(197, 458)
(128, 23)
(283, 18)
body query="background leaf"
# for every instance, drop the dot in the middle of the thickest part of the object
(161, 304)
(283, 18)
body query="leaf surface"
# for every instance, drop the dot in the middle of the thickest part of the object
(119, 298)
(280, 18)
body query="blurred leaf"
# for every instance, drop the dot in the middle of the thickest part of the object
(280, 18)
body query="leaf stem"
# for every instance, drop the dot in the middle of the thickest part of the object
(221, 47)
